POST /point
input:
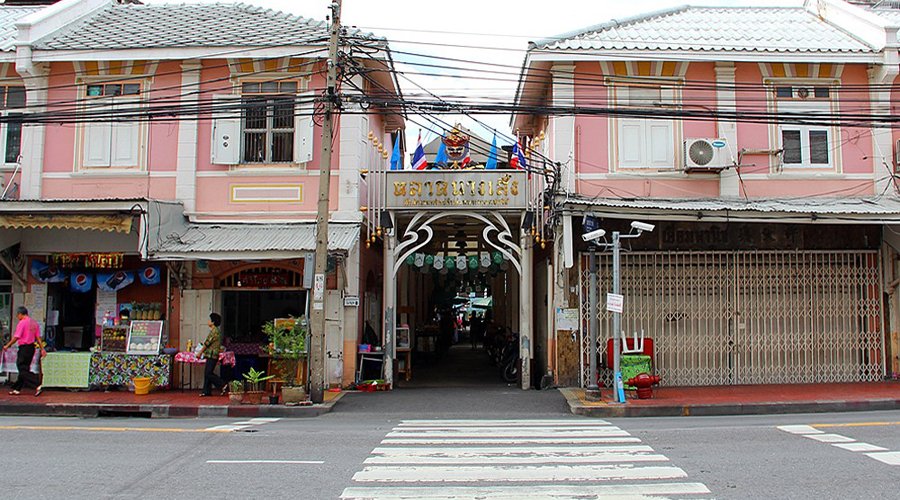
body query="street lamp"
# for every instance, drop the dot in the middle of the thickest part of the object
(637, 228)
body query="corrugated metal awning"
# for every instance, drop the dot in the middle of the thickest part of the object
(873, 210)
(250, 241)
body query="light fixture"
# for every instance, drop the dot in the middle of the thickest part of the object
(528, 220)
(386, 222)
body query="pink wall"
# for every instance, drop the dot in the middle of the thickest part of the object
(593, 138)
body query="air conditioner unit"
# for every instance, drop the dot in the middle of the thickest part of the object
(705, 155)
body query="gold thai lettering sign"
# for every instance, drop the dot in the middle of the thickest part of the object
(449, 189)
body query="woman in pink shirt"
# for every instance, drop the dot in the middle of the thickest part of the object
(28, 334)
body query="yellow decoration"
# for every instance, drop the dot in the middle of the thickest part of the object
(363, 208)
(371, 135)
(379, 232)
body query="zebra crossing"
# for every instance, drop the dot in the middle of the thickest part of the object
(517, 459)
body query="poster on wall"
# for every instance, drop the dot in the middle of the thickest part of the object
(144, 337)
(118, 280)
(149, 275)
(46, 273)
(106, 303)
(81, 282)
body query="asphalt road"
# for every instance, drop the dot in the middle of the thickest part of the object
(793, 456)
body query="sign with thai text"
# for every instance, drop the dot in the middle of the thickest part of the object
(87, 260)
(449, 189)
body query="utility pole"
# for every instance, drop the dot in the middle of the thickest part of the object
(317, 324)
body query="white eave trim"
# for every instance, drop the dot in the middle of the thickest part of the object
(697, 56)
(167, 53)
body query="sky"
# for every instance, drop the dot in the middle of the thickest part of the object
(487, 31)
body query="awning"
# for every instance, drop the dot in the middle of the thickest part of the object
(250, 241)
(872, 210)
(111, 223)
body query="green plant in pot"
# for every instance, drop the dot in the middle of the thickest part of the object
(287, 348)
(254, 386)
(236, 391)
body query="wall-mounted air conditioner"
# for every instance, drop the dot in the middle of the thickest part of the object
(705, 155)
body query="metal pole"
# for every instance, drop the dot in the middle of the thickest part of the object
(617, 317)
(593, 392)
(317, 338)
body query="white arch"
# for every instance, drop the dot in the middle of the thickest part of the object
(412, 242)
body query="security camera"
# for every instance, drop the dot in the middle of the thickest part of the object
(642, 226)
(593, 235)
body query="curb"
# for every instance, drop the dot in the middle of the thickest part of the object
(94, 410)
(617, 410)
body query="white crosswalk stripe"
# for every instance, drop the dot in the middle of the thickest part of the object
(517, 459)
(239, 426)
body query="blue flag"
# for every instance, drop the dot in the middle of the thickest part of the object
(441, 157)
(492, 156)
(396, 161)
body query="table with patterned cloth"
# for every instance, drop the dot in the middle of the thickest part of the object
(245, 349)
(118, 368)
(8, 360)
(225, 357)
(67, 369)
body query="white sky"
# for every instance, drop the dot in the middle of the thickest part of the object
(490, 31)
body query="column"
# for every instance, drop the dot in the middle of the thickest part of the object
(390, 306)
(526, 350)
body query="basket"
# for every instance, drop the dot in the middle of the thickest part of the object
(141, 386)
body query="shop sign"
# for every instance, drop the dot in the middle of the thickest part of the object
(351, 301)
(110, 260)
(264, 279)
(443, 189)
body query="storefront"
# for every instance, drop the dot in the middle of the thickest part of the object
(77, 267)
(735, 298)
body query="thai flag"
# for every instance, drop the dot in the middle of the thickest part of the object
(467, 159)
(517, 159)
(418, 159)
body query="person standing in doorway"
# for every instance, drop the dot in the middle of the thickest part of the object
(211, 348)
(28, 335)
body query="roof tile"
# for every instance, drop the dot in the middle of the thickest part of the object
(747, 29)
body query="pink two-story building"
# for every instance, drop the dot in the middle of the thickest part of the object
(759, 142)
(181, 144)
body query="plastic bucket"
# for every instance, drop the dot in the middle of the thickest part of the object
(141, 386)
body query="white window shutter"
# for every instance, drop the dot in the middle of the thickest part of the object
(304, 127)
(631, 142)
(126, 138)
(660, 143)
(225, 148)
(97, 140)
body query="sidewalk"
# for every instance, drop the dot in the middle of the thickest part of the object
(163, 404)
(742, 400)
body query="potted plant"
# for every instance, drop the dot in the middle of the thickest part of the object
(287, 346)
(253, 386)
(236, 391)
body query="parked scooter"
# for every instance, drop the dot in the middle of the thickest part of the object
(509, 362)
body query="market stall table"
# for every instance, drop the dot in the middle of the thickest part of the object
(116, 368)
(226, 358)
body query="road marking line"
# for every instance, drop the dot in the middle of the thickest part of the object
(237, 426)
(859, 447)
(312, 462)
(227, 427)
(520, 455)
(799, 429)
(510, 432)
(856, 424)
(471, 474)
(830, 438)
(503, 423)
(101, 429)
(534, 440)
(888, 457)
(529, 491)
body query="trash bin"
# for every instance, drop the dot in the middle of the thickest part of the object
(634, 364)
